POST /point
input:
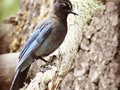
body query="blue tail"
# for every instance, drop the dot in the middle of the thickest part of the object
(19, 78)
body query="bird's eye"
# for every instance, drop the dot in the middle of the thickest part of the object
(64, 6)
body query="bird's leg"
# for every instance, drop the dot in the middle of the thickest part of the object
(39, 57)
(47, 62)
(35, 60)
(42, 59)
(37, 64)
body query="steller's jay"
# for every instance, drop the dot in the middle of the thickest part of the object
(46, 38)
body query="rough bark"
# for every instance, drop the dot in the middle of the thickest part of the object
(93, 65)
(97, 63)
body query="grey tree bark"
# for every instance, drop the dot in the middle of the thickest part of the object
(97, 63)
(89, 57)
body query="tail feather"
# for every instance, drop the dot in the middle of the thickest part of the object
(19, 78)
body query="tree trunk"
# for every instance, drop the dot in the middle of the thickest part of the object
(97, 64)
(89, 57)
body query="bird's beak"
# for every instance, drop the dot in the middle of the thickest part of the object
(72, 12)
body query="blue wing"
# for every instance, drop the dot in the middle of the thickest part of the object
(33, 43)
(28, 43)
(30, 40)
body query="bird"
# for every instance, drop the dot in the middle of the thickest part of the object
(45, 39)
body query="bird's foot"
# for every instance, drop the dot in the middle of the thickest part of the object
(47, 62)
(51, 61)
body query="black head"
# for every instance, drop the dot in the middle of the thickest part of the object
(62, 8)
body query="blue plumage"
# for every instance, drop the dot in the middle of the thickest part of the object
(28, 43)
(47, 37)
(35, 40)
(43, 30)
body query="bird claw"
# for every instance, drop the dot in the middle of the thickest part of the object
(48, 63)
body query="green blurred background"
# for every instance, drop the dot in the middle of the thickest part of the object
(8, 8)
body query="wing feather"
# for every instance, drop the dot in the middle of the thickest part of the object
(34, 42)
